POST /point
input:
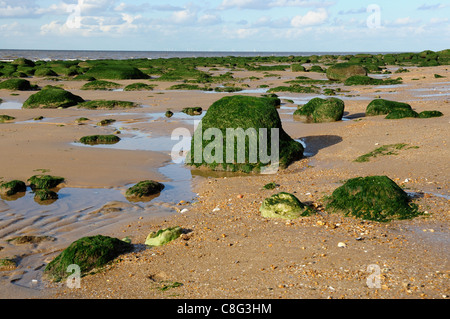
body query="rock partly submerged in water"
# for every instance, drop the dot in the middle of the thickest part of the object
(320, 110)
(342, 71)
(163, 236)
(88, 253)
(144, 189)
(376, 198)
(44, 181)
(239, 117)
(284, 205)
(52, 98)
(13, 187)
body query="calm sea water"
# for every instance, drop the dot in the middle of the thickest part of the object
(9, 55)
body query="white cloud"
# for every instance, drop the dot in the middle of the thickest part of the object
(310, 19)
(405, 21)
(265, 4)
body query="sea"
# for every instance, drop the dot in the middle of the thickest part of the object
(49, 55)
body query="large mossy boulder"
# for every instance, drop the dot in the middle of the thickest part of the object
(52, 98)
(13, 187)
(376, 198)
(284, 205)
(89, 253)
(163, 236)
(44, 181)
(384, 107)
(116, 72)
(17, 85)
(319, 110)
(342, 71)
(144, 189)
(249, 120)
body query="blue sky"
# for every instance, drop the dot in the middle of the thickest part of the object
(226, 25)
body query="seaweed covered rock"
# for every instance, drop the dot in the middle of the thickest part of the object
(6, 118)
(88, 253)
(366, 80)
(107, 104)
(52, 98)
(319, 110)
(139, 87)
(100, 139)
(44, 181)
(342, 71)
(116, 72)
(45, 195)
(163, 236)
(196, 110)
(376, 198)
(144, 188)
(17, 85)
(428, 114)
(23, 62)
(243, 137)
(100, 85)
(401, 114)
(284, 205)
(12, 187)
(382, 106)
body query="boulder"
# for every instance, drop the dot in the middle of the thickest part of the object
(17, 85)
(320, 110)
(284, 205)
(382, 106)
(44, 181)
(12, 187)
(342, 71)
(144, 188)
(376, 198)
(88, 253)
(52, 98)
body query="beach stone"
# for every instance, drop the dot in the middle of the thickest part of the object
(88, 253)
(376, 198)
(246, 113)
(44, 195)
(12, 187)
(320, 110)
(17, 85)
(163, 236)
(44, 181)
(342, 71)
(284, 205)
(382, 106)
(144, 188)
(30, 239)
(52, 98)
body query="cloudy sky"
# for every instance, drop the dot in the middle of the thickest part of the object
(226, 25)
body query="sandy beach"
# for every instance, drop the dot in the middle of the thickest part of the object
(228, 250)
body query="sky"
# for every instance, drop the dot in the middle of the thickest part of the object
(226, 25)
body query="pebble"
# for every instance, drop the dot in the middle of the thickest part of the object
(342, 245)
(184, 210)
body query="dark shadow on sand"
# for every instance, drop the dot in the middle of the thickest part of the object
(315, 143)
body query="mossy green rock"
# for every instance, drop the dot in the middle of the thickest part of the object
(116, 72)
(242, 112)
(100, 139)
(52, 98)
(17, 85)
(163, 236)
(375, 198)
(319, 110)
(428, 114)
(44, 181)
(381, 106)
(12, 187)
(88, 253)
(100, 85)
(192, 110)
(342, 71)
(45, 194)
(107, 104)
(144, 188)
(6, 118)
(401, 113)
(284, 205)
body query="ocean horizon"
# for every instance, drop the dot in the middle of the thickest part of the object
(49, 55)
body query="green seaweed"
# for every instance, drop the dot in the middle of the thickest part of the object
(163, 236)
(99, 139)
(6, 118)
(139, 87)
(384, 150)
(284, 205)
(319, 110)
(144, 188)
(100, 85)
(382, 106)
(342, 71)
(12, 187)
(196, 110)
(429, 114)
(52, 97)
(376, 198)
(45, 194)
(89, 253)
(107, 104)
(44, 181)
(17, 85)
(401, 113)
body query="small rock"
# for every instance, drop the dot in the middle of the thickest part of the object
(342, 245)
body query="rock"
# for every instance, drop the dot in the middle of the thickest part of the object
(144, 188)
(27, 239)
(284, 205)
(88, 253)
(163, 236)
(100, 139)
(45, 195)
(245, 114)
(52, 98)
(428, 114)
(376, 198)
(342, 71)
(44, 181)
(342, 245)
(381, 106)
(12, 187)
(320, 110)
(17, 85)
(192, 110)
(168, 114)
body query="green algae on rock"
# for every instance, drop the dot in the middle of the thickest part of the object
(100, 85)
(319, 110)
(139, 87)
(13, 187)
(342, 71)
(246, 130)
(429, 114)
(366, 80)
(17, 85)
(284, 205)
(52, 98)
(376, 198)
(163, 236)
(6, 118)
(116, 72)
(144, 188)
(382, 106)
(100, 139)
(88, 253)
(44, 181)
(107, 104)
(195, 110)
(401, 113)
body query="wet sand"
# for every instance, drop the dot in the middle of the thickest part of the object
(228, 250)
